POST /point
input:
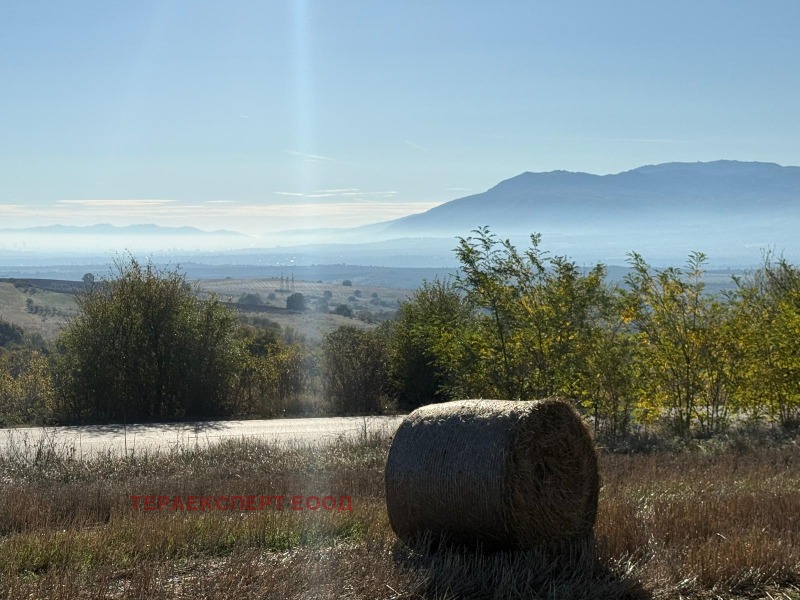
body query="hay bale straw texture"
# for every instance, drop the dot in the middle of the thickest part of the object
(510, 475)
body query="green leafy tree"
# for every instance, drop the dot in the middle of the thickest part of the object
(272, 376)
(534, 317)
(26, 387)
(343, 310)
(609, 385)
(250, 298)
(354, 370)
(766, 309)
(145, 347)
(424, 343)
(683, 348)
(296, 301)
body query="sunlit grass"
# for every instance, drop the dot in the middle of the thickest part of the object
(709, 523)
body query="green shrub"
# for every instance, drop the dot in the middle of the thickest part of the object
(355, 370)
(144, 347)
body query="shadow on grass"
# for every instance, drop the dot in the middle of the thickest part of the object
(567, 570)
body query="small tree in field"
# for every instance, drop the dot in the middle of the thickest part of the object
(144, 347)
(296, 302)
(343, 310)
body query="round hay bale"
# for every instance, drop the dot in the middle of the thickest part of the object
(512, 475)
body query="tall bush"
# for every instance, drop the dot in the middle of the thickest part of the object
(354, 370)
(145, 347)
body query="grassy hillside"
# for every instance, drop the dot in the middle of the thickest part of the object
(35, 309)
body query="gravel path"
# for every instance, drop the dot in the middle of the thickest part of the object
(92, 439)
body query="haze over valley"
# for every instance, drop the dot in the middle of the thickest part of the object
(731, 210)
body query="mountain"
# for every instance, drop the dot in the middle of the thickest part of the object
(730, 210)
(654, 197)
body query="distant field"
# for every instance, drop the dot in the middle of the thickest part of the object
(48, 310)
(45, 314)
(311, 324)
(233, 288)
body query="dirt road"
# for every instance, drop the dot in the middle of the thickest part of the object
(93, 439)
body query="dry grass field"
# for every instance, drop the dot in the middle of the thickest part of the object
(340, 294)
(720, 521)
(311, 325)
(55, 309)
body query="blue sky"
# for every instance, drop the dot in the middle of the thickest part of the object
(261, 116)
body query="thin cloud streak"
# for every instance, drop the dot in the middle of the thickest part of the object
(117, 203)
(635, 140)
(314, 157)
(12, 209)
(417, 146)
(348, 193)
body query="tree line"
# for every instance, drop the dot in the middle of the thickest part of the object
(657, 349)
(518, 324)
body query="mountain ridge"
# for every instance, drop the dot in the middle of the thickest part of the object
(556, 198)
